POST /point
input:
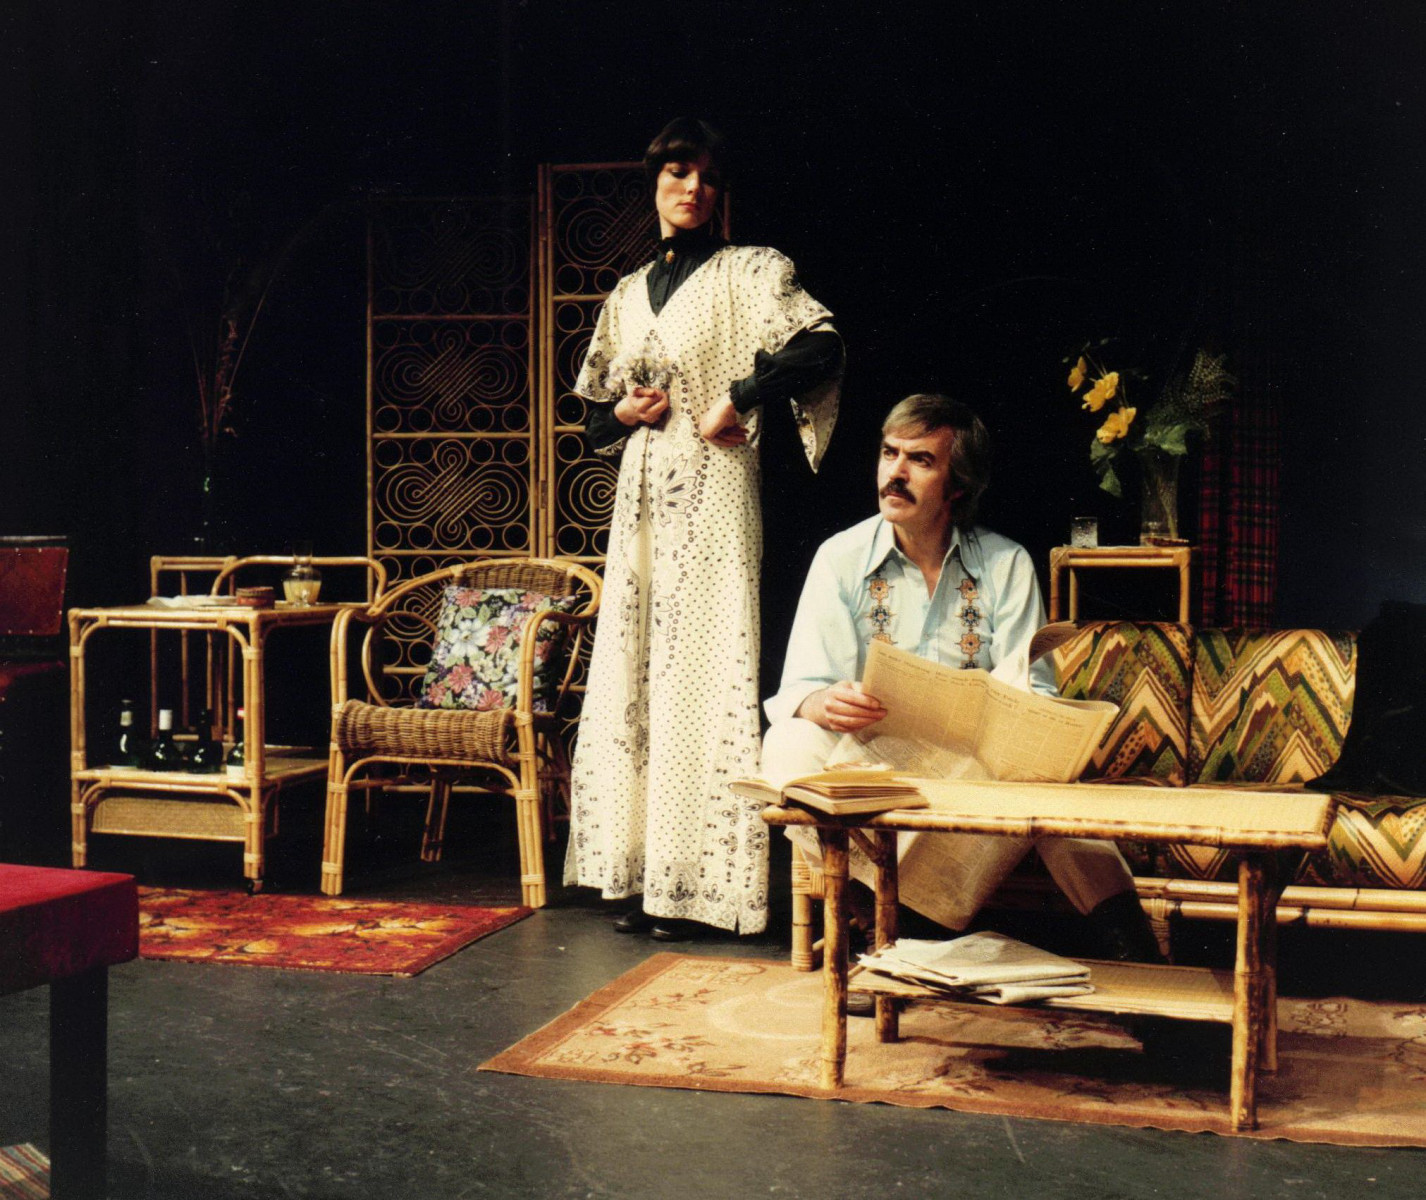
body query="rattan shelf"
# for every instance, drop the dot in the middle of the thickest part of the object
(129, 801)
(1121, 989)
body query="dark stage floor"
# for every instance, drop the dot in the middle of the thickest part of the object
(242, 1082)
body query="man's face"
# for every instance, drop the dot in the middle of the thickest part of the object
(914, 481)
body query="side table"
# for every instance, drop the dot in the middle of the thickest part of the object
(176, 804)
(1256, 826)
(1076, 558)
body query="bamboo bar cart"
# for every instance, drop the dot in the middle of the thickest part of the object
(1073, 559)
(174, 804)
(1261, 828)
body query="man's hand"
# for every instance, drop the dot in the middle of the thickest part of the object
(842, 708)
(720, 426)
(642, 406)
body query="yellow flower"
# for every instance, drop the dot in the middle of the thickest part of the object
(1077, 374)
(1116, 425)
(1102, 392)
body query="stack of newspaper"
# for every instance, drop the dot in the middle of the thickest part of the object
(982, 966)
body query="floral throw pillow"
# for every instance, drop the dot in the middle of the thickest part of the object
(477, 651)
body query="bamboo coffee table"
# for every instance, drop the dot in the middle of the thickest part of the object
(1267, 831)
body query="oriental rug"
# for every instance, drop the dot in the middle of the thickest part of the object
(1350, 1073)
(24, 1173)
(353, 936)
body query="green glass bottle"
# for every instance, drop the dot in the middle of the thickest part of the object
(236, 765)
(164, 754)
(205, 756)
(128, 747)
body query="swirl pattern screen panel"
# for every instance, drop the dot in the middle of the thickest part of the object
(597, 224)
(450, 377)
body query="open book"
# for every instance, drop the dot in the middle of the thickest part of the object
(947, 723)
(843, 790)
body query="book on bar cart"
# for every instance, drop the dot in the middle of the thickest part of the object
(841, 791)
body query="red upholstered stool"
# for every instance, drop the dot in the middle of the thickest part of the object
(66, 929)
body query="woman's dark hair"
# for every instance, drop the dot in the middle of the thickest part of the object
(685, 139)
(924, 413)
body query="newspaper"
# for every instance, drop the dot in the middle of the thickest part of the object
(946, 723)
(984, 966)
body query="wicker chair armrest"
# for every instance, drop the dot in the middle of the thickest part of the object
(337, 655)
(437, 735)
(525, 678)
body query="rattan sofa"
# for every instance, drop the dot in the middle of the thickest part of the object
(1225, 708)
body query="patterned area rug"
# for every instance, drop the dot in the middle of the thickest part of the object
(1350, 1072)
(361, 937)
(24, 1173)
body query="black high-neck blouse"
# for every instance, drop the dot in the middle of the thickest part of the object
(808, 358)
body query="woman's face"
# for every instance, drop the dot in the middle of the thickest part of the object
(685, 194)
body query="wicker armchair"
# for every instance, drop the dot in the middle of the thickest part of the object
(513, 748)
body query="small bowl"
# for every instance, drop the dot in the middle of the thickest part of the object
(255, 597)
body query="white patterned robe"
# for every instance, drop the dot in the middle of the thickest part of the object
(671, 711)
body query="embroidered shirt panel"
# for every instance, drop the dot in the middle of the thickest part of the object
(985, 606)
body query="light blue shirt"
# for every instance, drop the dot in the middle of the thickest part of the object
(985, 608)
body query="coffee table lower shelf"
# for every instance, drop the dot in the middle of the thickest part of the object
(1123, 989)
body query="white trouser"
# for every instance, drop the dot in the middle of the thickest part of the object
(948, 876)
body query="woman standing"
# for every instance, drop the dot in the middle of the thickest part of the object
(686, 349)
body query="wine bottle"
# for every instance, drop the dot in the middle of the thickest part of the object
(128, 748)
(205, 756)
(236, 764)
(164, 754)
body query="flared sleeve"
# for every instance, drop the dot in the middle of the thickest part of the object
(772, 297)
(596, 382)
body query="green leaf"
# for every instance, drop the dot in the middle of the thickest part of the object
(1171, 439)
(1103, 459)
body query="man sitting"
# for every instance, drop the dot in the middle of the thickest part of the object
(925, 577)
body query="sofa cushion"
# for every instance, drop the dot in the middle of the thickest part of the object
(1269, 706)
(1144, 668)
(1374, 844)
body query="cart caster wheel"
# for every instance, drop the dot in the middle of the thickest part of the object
(254, 886)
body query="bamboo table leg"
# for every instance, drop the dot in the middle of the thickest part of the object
(888, 1010)
(1274, 880)
(834, 956)
(1250, 980)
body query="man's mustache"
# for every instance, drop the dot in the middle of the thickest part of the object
(896, 488)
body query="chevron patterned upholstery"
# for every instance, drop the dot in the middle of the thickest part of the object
(1144, 668)
(1269, 707)
(1261, 709)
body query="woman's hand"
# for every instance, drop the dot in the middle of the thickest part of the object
(642, 406)
(720, 425)
(842, 708)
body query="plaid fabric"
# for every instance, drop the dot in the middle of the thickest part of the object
(1238, 511)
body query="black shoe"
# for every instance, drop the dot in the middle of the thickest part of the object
(636, 920)
(1122, 930)
(673, 929)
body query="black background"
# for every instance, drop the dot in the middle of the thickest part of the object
(973, 189)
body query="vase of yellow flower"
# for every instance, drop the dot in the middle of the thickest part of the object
(1158, 495)
(1154, 442)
